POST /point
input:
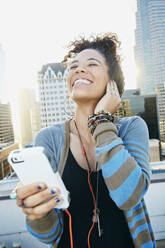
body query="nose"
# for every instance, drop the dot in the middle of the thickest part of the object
(80, 68)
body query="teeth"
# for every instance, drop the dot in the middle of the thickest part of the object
(84, 81)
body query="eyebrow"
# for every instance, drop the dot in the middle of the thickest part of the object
(95, 60)
(75, 61)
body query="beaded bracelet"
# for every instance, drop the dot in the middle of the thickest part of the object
(99, 117)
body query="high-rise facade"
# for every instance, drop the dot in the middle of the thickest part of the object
(150, 52)
(150, 44)
(6, 138)
(2, 72)
(35, 119)
(5, 167)
(26, 101)
(144, 106)
(6, 125)
(160, 91)
(52, 94)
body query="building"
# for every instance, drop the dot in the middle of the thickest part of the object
(146, 107)
(150, 52)
(160, 91)
(154, 150)
(2, 72)
(5, 168)
(35, 119)
(52, 94)
(149, 44)
(6, 125)
(6, 138)
(26, 101)
(29, 116)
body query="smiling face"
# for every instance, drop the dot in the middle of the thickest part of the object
(88, 76)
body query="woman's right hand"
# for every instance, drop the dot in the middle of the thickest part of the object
(36, 199)
(110, 102)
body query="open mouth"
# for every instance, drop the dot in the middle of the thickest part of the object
(82, 81)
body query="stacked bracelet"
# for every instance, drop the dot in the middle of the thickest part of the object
(99, 117)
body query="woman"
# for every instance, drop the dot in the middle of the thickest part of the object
(103, 160)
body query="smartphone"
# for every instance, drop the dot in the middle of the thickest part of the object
(33, 164)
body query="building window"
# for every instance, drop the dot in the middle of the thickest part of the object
(49, 73)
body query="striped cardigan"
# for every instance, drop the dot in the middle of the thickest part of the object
(122, 154)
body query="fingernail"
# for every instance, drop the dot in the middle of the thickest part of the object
(39, 187)
(23, 204)
(57, 200)
(52, 191)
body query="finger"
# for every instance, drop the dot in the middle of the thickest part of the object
(108, 89)
(19, 185)
(114, 85)
(30, 189)
(40, 197)
(44, 208)
(111, 88)
(19, 203)
(34, 217)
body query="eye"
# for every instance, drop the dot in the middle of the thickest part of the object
(92, 65)
(73, 67)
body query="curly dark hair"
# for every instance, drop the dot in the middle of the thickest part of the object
(107, 45)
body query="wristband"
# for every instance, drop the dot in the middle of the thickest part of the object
(99, 117)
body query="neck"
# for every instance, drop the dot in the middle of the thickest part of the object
(81, 118)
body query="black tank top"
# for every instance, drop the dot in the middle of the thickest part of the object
(112, 221)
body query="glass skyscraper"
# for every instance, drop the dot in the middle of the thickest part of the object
(150, 44)
(2, 71)
(150, 52)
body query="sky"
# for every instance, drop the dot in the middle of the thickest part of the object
(36, 32)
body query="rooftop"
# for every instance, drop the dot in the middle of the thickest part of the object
(12, 225)
(56, 67)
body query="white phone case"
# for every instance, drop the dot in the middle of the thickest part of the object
(32, 165)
